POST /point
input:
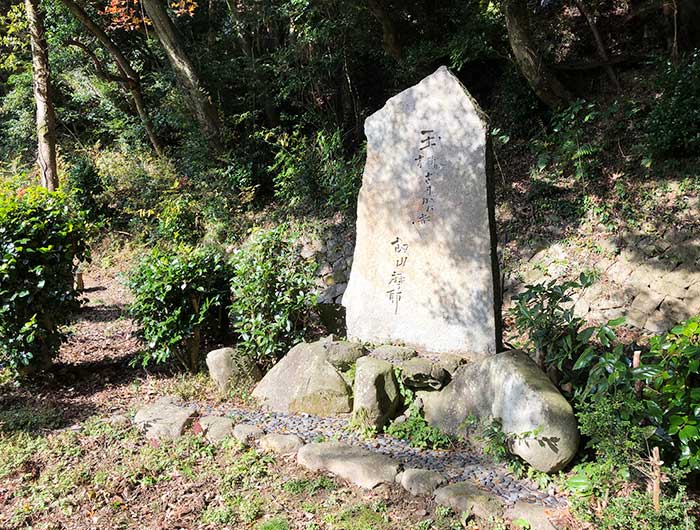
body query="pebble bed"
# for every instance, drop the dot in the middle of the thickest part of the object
(458, 464)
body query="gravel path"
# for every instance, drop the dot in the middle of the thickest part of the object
(458, 464)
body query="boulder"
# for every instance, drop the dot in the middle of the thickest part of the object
(354, 464)
(466, 497)
(164, 419)
(393, 354)
(342, 354)
(282, 444)
(305, 381)
(510, 387)
(228, 368)
(421, 374)
(247, 434)
(420, 481)
(536, 515)
(216, 428)
(376, 391)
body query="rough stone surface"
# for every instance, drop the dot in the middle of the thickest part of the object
(420, 373)
(376, 391)
(304, 381)
(216, 428)
(425, 271)
(283, 444)
(227, 368)
(164, 419)
(534, 514)
(420, 481)
(465, 497)
(511, 387)
(393, 354)
(247, 434)
(342, 354)
(354, 464)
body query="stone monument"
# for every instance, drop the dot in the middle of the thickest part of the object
(425, 270)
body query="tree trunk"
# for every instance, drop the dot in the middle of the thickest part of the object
(201, 105)
(45, 114)
(602, 53)
(130, 78)
(392, 41)
(541, 79)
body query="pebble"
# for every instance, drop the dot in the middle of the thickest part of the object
(461, 463)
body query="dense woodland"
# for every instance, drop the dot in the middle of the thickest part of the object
(210, 134)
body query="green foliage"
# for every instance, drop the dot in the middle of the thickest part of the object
(271, 290)
(673, 125)
(180, 302)
(278, 523)
(544, 312)
(85, 189)
(308, 486)
(636, 512)
(670, 394)
(361, 423)
(314, 168)
(414, 428)
(41, 242)
(571, 148)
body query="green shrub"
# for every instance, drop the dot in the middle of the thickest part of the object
(41, 241)
(86, 190)
(544, 313)
(313, 169)
(673, 126)
(272, 295)
(669, 402)
(180, 301)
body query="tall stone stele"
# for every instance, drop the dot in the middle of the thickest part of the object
(425, 271)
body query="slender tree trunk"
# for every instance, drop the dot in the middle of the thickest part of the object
(541, 79)
(392, 41)
(203, 109)
(602, 53)
(45, 113)
(129, 77)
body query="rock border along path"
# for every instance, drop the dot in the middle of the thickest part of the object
(456, 465)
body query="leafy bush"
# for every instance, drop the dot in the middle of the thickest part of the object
(41, 242)
(180, 301)
(314, 169)
(86, 190)
(545, 313)
(673, 126)
(271, 289)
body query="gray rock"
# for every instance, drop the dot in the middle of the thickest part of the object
(509, 386)
(354, 464)
(393, 354)
(534, 514)
(304, 381)
(376, 392)
(283, 444)
(229, 368)
(343, 354)
(419, 373)
(216, 428)
(164, 419)
(450, 362)
(247, 434)
(420, 481)
(466, 497)
(425, 267)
